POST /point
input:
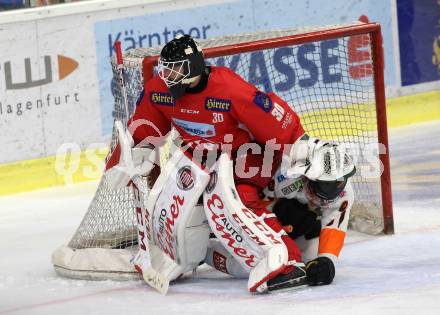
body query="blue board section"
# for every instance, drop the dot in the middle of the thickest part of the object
(419, 40)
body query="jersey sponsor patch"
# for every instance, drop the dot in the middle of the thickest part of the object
(288, 189)
(195, 128)
(161, 98)
(281, 178)
(263, 101)
(218, 104)
(296, 186)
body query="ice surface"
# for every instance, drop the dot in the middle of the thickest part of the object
(397, 274)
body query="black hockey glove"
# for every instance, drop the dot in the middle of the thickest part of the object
(320, 271)
(290, 212)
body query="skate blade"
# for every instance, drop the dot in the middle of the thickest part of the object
(292, 284)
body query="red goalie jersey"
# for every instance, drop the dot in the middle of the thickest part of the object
(228, 105)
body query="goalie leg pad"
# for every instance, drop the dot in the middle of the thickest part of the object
(172, 227)
(264, 248)
(249, 197)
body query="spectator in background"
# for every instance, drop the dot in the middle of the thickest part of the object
(40, 3)
(11, 4)
(19, 4)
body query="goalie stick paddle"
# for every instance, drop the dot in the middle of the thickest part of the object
(156, 280)
(152, 277)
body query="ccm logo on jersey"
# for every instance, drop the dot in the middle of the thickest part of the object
(161, 98)
(218, 104)
(189, 111)
(263, 101)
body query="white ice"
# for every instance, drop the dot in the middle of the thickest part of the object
(397, 274)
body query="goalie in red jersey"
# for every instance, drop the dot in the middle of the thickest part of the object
(215, 110)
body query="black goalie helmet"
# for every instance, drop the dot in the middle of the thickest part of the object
(181, 61)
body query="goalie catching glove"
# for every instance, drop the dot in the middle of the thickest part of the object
(132, 161)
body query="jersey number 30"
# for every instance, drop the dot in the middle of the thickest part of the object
(217, 117)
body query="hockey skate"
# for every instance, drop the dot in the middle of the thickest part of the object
(294, 278)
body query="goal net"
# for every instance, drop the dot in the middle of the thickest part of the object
(331, 76)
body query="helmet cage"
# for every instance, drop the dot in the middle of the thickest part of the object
(174, 72)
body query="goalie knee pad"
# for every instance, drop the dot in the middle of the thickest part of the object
(219, 258)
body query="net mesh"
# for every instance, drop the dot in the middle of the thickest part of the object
(328, 83)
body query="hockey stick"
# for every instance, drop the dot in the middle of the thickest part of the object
(120, 70)
(155, 279)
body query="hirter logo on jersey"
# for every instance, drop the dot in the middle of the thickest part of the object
(161, 98)
(185, 178)
(263, 101)
(218, 104)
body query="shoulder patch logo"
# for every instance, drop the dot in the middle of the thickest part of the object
(161, 98)
(218, 104)
(263, 101)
